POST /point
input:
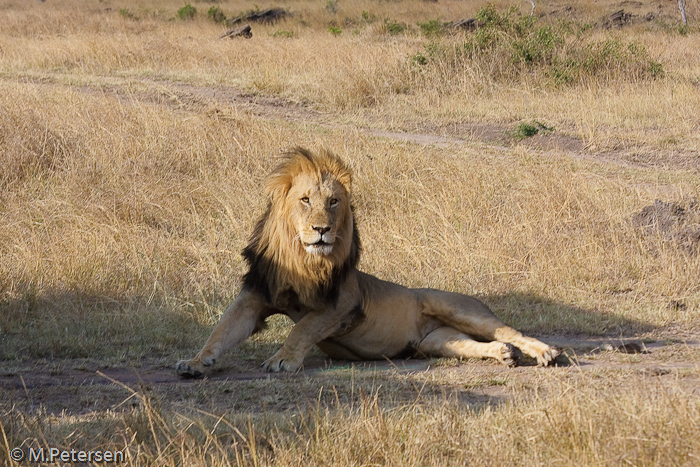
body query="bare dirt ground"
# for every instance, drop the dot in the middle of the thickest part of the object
(79, 386)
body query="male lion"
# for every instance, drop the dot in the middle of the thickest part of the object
(302, 260)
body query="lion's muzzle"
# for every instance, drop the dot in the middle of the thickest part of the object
(322, 244)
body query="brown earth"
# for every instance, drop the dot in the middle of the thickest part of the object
(82, 387)
(677, 223)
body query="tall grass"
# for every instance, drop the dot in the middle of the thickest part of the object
(121, 206)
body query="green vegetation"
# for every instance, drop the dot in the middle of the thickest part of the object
(283, 34)
(431, 28)
(526, 130)
(507, 47)
(216, 14)
(126, 13)
(187, 12)
(394, 27)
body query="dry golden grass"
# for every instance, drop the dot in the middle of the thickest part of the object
(581, 420)
(124, 204)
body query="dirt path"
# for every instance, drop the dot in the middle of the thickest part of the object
(82, 388)
(583, 354)
(205, 99)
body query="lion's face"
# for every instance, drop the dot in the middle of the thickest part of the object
(318, 211)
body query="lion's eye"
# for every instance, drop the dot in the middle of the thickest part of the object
(334, 202)
(305, 200)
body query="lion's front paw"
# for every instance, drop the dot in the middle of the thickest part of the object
(194, 368)
(509, 355)
(548, 356)
(281, 362)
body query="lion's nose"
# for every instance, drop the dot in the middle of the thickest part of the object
(322, 230)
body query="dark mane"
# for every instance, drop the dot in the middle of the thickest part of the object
(263, 271)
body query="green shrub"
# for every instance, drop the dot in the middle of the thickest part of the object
(527, 130)
(506, 47)
(430, 28)
(216, 14)
(334, 30)
(187, 12)
(394, 28)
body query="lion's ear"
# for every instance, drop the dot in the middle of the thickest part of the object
(277, 185)
(345, 178)
(338, 168)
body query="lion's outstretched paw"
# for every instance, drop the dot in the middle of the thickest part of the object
(548, 356)
(278, 363)
(194, 368)
(510, 355)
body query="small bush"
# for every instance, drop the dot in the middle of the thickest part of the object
(430, 28)
(216, 14)
(334, 30)
(506, 47)
(394, 28)
(187, 12)
(527, 130)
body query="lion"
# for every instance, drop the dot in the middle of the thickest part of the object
(302, 262)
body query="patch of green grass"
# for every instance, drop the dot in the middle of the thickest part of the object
(126, 13)
(283, 34)
(187, 12)
(335, 30)
(431, 28)
(527, 130)
(216, 14)
(419, 59)
(395, 28)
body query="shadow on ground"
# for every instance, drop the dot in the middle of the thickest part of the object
(542, 316)
(58, 381)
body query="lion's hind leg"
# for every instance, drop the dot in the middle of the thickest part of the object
(448, 342)
(471, 317)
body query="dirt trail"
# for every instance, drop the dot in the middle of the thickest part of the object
(583, 354)
(205, 99)
(80, 388)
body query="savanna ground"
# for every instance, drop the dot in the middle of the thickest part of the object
(510, 162)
